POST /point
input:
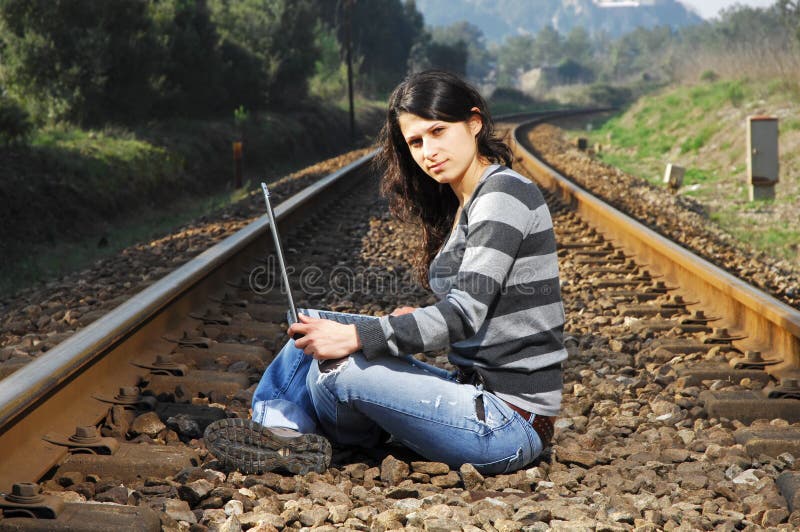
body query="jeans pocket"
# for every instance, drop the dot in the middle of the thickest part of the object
(504, 465)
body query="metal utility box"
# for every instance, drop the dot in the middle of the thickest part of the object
(762, 156)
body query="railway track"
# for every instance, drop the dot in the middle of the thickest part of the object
(114, 413)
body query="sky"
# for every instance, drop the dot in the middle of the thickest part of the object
(710, 8)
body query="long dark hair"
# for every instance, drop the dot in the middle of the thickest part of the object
(414, 197)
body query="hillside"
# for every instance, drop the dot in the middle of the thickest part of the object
(702, 127)
(499, 18)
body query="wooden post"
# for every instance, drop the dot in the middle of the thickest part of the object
(348, 15)
(237, 164)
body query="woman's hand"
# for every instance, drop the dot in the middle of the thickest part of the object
(325, 339)
(399, 311)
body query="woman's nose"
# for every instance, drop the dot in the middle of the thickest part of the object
(429, 148)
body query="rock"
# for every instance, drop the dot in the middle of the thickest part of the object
(430, 468)
(87, 489)
(179, 511)
(355, 524)
(363, 513)
(117, 494)
(196, 491)
(263, 527)
(185, 426)
(694, 481)
(69, 478)
(675, 455)
(259, 516)
(314, 517)
(774, 517)
(450, 480)
(118, 422)
(408, 505)
(355, 471)
(337, 513)
(402, 492)
(507, 525)
(393, 471)
(230, 525)
(581, 458)
(746, 477)
(441, 525)
(234, 507)
(470, 476)
(490, 510)
(213, 517)
(325, 491)
(530, 514)
(148, 423)
(391, 519)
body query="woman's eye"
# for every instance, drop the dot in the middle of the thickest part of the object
(438, 130)
(416, 143)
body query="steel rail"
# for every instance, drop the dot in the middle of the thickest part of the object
(772, 326)
(42, 395)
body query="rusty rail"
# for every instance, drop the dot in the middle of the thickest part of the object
(50, 393)
(772, 326)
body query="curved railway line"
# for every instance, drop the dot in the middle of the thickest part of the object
(115, 413)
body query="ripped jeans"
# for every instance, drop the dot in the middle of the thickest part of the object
(420, 405)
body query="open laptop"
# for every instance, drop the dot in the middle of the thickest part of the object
(341, 317)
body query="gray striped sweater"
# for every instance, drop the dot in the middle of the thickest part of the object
(499, 308)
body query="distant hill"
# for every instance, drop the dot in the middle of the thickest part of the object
(500, 18)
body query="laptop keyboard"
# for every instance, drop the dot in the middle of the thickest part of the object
(344, 317)
(340, 317)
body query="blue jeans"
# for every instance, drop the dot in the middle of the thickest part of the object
(420, 405)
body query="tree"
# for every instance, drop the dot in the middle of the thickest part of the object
(790, 14)
(384, 32)
(548, 47)
(430, 53)
(79, 59)
(578, 45)
(479, 60)
(277, 34)
(192, 79)
(514, 57)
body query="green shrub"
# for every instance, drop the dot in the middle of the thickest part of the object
(609, 95)
(508, 100)
(15, 125)
(735, 93)
(709, 75)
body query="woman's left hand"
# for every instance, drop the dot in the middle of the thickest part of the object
(324, 339)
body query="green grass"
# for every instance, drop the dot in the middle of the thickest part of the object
(780, 240)
(701, 127)
(70, 187)
(50, 261)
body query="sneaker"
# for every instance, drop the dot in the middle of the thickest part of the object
(245, 445)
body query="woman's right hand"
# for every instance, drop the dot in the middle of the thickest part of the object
(399, 311)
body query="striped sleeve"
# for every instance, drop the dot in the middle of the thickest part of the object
(502, 212)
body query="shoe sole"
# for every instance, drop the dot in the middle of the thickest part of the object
(246, 446)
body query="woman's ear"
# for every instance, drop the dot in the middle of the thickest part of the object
(475, 121)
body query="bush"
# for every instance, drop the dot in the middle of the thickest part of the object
(609, 95)
(508, 100)
(15, 125)
(709, 75)
(570, 71)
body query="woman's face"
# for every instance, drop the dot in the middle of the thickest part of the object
(446, 151)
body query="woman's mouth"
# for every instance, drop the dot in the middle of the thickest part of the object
(436, 167)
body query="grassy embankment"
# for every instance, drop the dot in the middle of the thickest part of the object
(702, 127)
(72, 196)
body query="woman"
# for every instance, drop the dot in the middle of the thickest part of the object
(488, 253)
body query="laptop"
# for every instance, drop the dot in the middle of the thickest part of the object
(341, 317)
